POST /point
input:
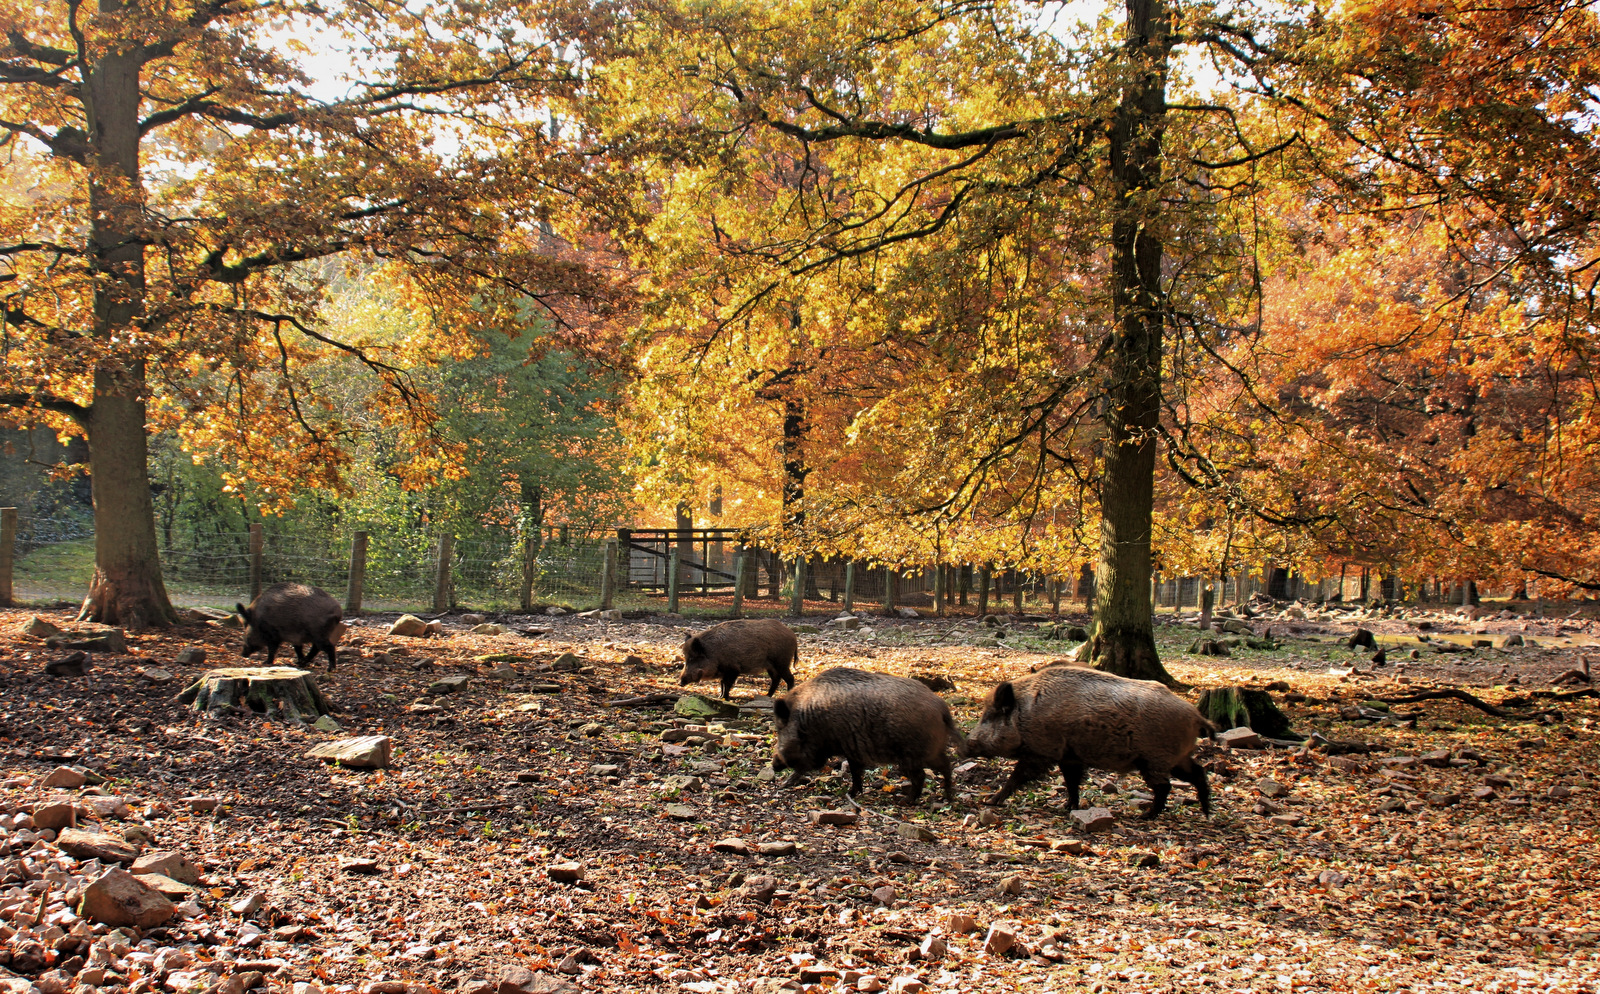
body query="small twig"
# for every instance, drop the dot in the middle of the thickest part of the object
(496, 806)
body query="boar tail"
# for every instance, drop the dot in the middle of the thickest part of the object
(958, 739)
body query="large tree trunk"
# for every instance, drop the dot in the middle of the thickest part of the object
(1124, 641)
(127, 588)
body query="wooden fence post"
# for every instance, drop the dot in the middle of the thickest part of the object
(739, 559)
(8, 555)
(672, 580)
(531, 544)
(441, 579)
(850, 587)
(797, 598)
(257, 541)
(358, 575)
(608, 575)
(983, 591)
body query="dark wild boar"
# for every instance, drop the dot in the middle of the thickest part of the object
(1079, 718)
(871, 719)
(733, 648)
(296, 614)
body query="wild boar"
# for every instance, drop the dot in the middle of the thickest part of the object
(296, 614)
(871, 719)
(725, 651)
(1079, 718)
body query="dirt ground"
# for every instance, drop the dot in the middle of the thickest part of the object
(1378, 870)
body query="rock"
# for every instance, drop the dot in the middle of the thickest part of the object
(521, 980)
(1559, 792)
(1094, 819)
(168, 863)
(40, 628)
(1072, 847)
(1512, 641)
(363, 752)
(117, 897)
(917, 833)
(1000, 939)
(1444, 800)
(410, 626)
(156, 675)
(906, 985)
(1009, 886)
(326, 723)
(565, 873)
(1484, 794)
(555, 612)
(682, 784)
(364, 866)
(166, 885)
(732, 844)
(908, 612)
(681, 812)
(472, 619)
(192, 656)
(848, 623)
(434, 627)
(834, 817)
(988, 818)
(778, 848)
(700, 708)
(1362, 638)
(1271, 788)
(102, 640)
(1331, 878)
(1242, 737)
(64, 777)
(453, 684)
(95, 845)
(934, 947)
(248, 905)
(884, 895)
(805, 629)
(1438, 758)
(760, 888)
(1289, 820)
(55, 814)
(568, 662)
(1233, 626)
(202, 804)
(70, 665)
(1144, 860)
(959, 924)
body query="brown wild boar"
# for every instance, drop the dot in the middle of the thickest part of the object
(725, 651)
(296, 614)
(871, 719)
(1080, 718)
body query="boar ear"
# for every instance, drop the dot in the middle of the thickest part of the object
(780, 710)
(1005, 697)
(693, 645)
(244, 612)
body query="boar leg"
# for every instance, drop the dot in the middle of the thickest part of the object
(917, 778)
(773, 688)
(1072, 776)
(1190, 771)
(944, 774)
(1160, 784)
(272, 653)
(857, 771)
(326, 648)
(727, 685)
(1028, 768)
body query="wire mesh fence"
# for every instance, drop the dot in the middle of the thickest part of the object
(489, 568)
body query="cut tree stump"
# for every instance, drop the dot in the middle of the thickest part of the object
(281, 692)
(1233, 707)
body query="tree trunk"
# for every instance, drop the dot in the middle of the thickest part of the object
(1123, 641)
(126, 589)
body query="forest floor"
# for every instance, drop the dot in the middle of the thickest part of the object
(1374, 872)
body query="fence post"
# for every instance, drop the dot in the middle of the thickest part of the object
(358, 575)
(256, 542)
(891, 589)
(8, 553)
(441, 579)
(850, 587)
(983, 592)
(672, 580)
(738, 582)
(797, 599)
(608, 575)
(531, 543)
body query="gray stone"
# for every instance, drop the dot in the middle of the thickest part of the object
(410, 626)
(365, 752)
(834, 817)
(168, 863)
(64, 777)
(999, 940)
(681, 812)
(1094, 819)
(455, 683)
(74, 664)
(760, 888)
(192, 656)
(1271, 788)
(326, 723)
(117, 898)
(778, 848)
(40, 628)
(917, 833)
(157, 676)
(1242, 737)
(96, 845)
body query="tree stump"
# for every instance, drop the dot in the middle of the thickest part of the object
(281, 692)
(1233, 707)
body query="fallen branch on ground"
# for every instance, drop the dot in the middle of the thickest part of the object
(1466, 698)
